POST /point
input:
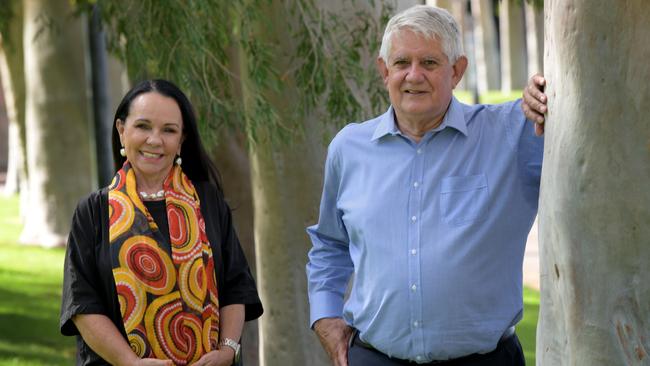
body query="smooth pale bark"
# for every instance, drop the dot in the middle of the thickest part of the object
(595, 201)
(13, 86)
(513, 45)
(534, 39)
(286, 180)
(60, 154)
(485, 45)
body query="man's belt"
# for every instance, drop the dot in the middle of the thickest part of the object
(474, 356)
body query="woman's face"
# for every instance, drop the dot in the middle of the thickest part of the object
(152, 135)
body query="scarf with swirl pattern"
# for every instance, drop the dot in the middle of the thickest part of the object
(168, 301)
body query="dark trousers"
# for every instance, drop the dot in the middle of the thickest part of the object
(507, 353)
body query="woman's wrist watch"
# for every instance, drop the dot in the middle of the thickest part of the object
(232, 344)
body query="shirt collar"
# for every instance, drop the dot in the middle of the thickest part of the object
(454, 118)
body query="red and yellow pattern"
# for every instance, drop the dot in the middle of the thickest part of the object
(168, 301)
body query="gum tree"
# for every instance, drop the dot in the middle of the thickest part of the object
(595, 201)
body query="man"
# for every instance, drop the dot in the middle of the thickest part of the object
(429, 205)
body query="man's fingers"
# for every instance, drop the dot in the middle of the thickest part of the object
(532, 114)
(539, 129)
(539, 80)
(533, 103)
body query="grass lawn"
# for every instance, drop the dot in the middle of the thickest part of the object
(527, 327)
(30, 298)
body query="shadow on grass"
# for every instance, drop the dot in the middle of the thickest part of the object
(29, 326)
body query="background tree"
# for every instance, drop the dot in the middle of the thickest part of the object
(59, 155)
(595, 201)
(512, 45)
(13, 83)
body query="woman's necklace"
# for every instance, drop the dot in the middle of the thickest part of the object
(152, 196)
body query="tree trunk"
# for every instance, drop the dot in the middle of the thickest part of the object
(13, 84)
(485, 44)
(231, 157)
(60, 153)
(595, 201)
(285, 183)
(534, 39)
(513, 46)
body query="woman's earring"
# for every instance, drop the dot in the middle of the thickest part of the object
(122, 152)
(178, 160)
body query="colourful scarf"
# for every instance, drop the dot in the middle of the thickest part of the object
(169, 305)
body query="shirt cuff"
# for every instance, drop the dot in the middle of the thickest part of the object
(324, 305)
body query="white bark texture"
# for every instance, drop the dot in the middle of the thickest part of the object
(595, 201)
(60, 155)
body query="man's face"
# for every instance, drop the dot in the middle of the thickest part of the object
(419, 77)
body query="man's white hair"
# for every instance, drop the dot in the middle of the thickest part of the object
(429, 21)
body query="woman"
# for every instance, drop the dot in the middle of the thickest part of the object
(154, 273)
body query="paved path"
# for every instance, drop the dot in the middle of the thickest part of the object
(531, 260)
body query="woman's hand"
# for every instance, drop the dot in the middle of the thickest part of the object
(220, 357)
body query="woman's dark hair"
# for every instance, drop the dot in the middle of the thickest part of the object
(197, 165)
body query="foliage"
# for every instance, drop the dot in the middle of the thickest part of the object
(30, 289)
(6, 13)
(217, 51)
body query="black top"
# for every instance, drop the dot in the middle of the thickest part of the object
(158, 210)
(88, 284)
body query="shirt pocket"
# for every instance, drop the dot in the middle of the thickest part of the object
(464, 199)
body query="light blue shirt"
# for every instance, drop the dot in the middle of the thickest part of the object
(434, 231)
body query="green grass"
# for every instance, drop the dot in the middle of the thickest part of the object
(527, 327)
(30, 298)
(491, 97)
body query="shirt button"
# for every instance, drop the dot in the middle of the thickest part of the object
(416, 324)
(414, 287)
(414, 251)
(414, 218)
(418, 358)
(419, 151)
(416, 184)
